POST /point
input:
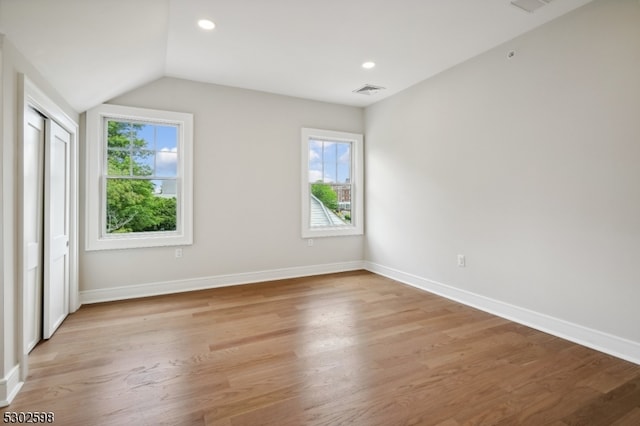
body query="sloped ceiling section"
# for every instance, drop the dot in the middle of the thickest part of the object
(89, 50)
(94, 50)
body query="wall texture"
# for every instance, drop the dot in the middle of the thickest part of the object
(529, 166)
(246, 188)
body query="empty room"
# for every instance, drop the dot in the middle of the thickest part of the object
(356, 212)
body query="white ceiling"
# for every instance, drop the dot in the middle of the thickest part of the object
(94, 50)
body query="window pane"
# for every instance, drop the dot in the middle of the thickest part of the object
(120, 133)
(142, 163)
(330, 205)
(166, 187)
(330, 183)
(315, 161)
(343, 163)
(142, 149)
(167, 163)
(140, 205)
(329, 161)
(118, 162)
(343, 192)
(166, 137)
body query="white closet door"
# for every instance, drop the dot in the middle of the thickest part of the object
(33, 149)
(56, 228)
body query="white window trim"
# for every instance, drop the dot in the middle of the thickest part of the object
(96, 185)
(357, 185)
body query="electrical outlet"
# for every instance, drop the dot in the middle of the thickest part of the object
(178, 253)
(310, 242)
(462, 262)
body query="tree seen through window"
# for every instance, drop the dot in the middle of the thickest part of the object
(141, 179)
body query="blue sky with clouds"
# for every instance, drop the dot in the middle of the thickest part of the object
(162, 143)
(329, 162)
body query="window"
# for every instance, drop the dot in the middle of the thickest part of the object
(332, 176)
(139, 178)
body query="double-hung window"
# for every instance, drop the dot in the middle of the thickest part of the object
(139, 178)
(332, 190)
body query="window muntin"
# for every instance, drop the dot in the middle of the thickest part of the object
(139, 178)
(332, 181)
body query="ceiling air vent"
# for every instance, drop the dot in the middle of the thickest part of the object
(529, 5)
(368, 89)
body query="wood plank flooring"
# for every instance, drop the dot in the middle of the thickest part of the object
(341, 349)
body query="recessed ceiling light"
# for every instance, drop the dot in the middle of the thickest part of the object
(206, 24)
(368, 65)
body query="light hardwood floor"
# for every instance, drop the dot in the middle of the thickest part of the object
(340, 349)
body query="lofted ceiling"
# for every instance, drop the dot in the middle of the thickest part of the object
(94, 50)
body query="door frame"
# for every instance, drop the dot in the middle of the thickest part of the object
(30, 96)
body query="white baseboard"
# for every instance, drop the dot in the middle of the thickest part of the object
(9, 386)
(598, 340)
(204, 283)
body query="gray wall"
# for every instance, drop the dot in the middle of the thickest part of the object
(246, 187)
(529, 166)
